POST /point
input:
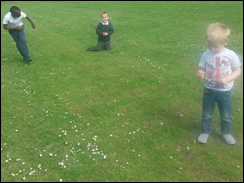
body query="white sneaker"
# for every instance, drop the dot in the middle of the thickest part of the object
(229, 139)
(203, 138)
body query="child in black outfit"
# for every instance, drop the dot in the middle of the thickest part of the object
(104, 31)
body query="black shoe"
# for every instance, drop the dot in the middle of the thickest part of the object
(29, 60)
(89, 49)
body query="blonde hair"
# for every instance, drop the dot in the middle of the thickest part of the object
(105, 12)
(217, 33)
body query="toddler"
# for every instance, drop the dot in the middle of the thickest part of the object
(104, 31)
(219, 67)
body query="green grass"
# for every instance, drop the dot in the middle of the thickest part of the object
(129, 114)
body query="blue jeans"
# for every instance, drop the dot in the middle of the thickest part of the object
(224, 102)
(19, 38)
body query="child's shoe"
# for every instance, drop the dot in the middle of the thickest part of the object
(229, 139)
(27, 59)
(203, 138)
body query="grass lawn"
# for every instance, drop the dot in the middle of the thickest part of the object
(129, 114)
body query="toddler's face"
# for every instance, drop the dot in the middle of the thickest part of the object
(105, 18)
(15, 14)
(216, 48)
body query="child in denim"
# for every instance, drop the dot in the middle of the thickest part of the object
(12, 23)
(219, 67)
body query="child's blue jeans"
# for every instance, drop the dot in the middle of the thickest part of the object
(19, 38)
(224, 102)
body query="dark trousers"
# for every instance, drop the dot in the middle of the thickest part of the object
(101, 45)
(19, 38)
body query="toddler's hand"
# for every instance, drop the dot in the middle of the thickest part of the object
(105, 33)
(222, 81)
(200, 74)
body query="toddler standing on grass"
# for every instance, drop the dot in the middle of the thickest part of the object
(219, 67)
(12, 23)
(104, 31)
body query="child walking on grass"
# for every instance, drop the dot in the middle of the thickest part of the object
(219, 67)
(104, 31)
(12, 23)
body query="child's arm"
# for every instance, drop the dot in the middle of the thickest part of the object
(5, 26)
(111, 30)
(235, 74)
(98, 30)
(32, 23)
(201, 73)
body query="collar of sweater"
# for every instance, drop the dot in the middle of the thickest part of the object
(104, 23)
